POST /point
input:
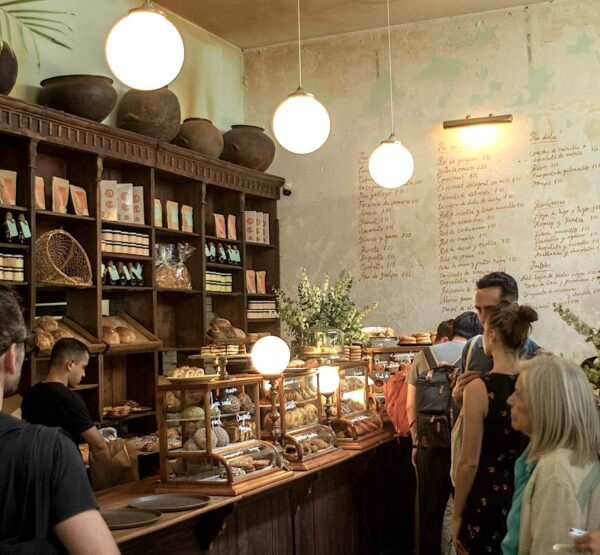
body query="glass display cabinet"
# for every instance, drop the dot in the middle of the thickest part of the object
(306, 442)
(326, 343)
(219, 423)
(355, 424)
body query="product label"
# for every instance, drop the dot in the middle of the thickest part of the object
(290, 405)
(231, 390)
(216, 422)
(12, 228)
(25, 229)
(304, 437)
(127, 274)
(241, 416)
(245, 429)
(114, 274)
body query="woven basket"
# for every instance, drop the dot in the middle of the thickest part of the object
(61, 260)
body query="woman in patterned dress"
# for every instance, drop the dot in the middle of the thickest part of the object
(490, 446)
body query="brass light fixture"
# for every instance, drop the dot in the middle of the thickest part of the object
(491, 119)
(478, 132)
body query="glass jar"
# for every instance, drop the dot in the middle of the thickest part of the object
(323, 342)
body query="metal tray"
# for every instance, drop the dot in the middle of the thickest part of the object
(121, 519)
(170, 502)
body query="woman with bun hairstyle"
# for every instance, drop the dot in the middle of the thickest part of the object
(557, 478)
(484, 478)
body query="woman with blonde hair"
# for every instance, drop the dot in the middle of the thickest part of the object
(484, 474)
(557, 478)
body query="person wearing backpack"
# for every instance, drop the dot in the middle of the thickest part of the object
(429, 409)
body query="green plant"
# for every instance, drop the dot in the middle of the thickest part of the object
(32, 23)
(322, 304)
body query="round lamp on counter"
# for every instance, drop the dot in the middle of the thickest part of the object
(329, 381)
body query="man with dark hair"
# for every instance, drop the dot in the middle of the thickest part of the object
(444, 332)
(491, 289)
(52, 403)
(433, 464)
(46, 496)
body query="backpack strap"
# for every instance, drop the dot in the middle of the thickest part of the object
(474, 341)
(431, 361)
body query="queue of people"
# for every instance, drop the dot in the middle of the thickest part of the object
(525, 453)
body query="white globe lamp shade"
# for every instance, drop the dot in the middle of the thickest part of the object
(144, 49)
(329, 379)
(270, 355)
(391, 165)
(301, 123)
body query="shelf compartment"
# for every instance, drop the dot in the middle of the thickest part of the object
(17, 246)
(147, 341)
(125, 256)
(15, 208)
(59, 216)
(60, 287)
(222, 294)
(222, 239)
(13, 283)
(261, 296)
(217, 266)
(175, 290)
(124, 288)
(261, 245)
(130, 416)
(125, 225)
(166, 232)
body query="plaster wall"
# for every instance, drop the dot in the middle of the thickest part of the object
(532, 195)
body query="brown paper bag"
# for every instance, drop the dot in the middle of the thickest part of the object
(112, 469)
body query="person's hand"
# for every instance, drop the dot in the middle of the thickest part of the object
(454, 532)
(461, 383)
(590, 542)
(414, 457)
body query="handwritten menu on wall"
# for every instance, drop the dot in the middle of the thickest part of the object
(527, 211)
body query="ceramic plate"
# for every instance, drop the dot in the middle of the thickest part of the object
(121, 519)
(170, 502)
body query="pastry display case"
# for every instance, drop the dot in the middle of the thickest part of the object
(385, 362)
(326, 343)
(306, 442)
(355, 423)
(221, 453)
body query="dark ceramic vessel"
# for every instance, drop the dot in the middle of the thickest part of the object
(88, 96)
(9, 68)
(249, 146)
(200, 135)
(152, 113)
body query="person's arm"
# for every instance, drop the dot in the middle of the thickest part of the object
(97, 443)
(461, 383)
(86, 534)
(590, 542)
(411, 413)
(474, 412)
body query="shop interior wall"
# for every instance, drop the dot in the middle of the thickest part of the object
(528, 205)
(210, 84)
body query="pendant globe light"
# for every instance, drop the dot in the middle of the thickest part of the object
(144, 49)
(391, 165)
(301, 123)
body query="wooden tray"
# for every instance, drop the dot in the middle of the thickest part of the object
(145, 340)
(93, 344)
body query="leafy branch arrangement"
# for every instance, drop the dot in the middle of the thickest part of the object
(322, 304)
(33, 23)
(590, 334)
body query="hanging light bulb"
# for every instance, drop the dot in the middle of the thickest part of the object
(144, 49)
(301, 123)
(391, 165)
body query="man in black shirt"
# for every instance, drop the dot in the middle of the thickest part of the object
(46, 502)
(52, 403)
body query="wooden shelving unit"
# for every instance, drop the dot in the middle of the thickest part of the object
(38, 141)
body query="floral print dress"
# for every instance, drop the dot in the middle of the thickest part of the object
(488, 504)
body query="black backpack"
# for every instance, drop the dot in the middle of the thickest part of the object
(435, 408)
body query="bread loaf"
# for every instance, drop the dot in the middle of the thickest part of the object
(46, 323)
(125, 334)
(110, 335)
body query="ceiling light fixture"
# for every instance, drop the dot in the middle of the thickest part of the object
(144, 49)
(301, 123)
(391, 165)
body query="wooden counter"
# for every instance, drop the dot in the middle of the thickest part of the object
(361, 503)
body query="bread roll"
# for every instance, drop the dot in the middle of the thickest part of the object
(125, 334)
(230, 404)
(60, 333)
(45, 341)
(200, 438)
(110, 335)
(245, 402)
(46, 323)
(222, 436)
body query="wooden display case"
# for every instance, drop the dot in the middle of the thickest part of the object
(40, 142)
(220, 426)
(355, 424)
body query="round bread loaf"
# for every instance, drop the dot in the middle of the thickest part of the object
(200, 438)
(46, 323)
(230, 404)
(222, 436)
(245, 402)
(60, 333)
(190, 445)
(125, 334)
(45, 341)
(110, 335)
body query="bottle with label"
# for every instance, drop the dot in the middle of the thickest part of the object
(123, 272)
(134, 280)
(24, 230)
(9, 229)
(112, 273)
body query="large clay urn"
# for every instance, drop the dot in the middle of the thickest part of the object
(153, 113)
(88, 96)
(249, 146)
(200, 135)
(9, 67)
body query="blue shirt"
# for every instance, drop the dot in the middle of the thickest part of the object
(523, 471)
(484, 363)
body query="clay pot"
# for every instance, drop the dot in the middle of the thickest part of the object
(9, 68)
(201, 135)
(153, 113)
(88, 96)
(249, 146)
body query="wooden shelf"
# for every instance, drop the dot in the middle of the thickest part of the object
(8, 282)
(217, 266)
(165, 349)
(260, 245)
(57, 215)
(166, 232)
(261, 320)
(130, 416)
(62, 286)
(85, 387)
(125, 256)
(17, 246)
(178, 291)
(13, 208)
(220, 239)
(128, 288)
(222, 294)
(126, 225)
(261, 296)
